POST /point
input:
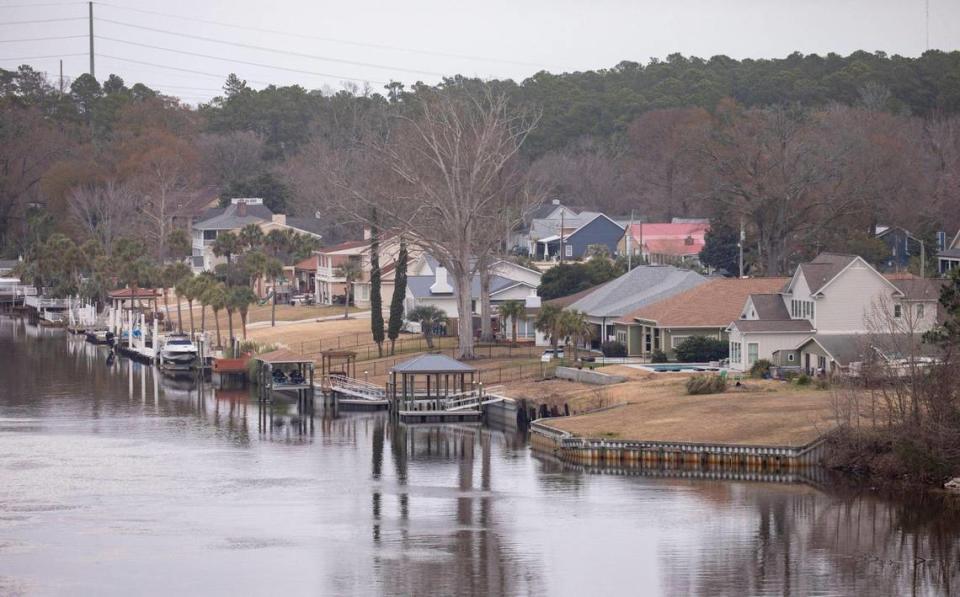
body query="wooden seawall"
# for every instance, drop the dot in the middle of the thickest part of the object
(679, 455)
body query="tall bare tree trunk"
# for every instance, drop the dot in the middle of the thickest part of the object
(465, 314)
(486, 312)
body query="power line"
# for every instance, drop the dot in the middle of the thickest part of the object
(325, 39)
(235, 61)
(41, 4)
(43, 57)
(176, 68)
(35, 21)
(10, 41)
(266, 49)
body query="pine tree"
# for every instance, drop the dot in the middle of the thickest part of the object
(399, 294)
(376, 301)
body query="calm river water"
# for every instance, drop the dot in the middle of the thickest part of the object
(119, 481)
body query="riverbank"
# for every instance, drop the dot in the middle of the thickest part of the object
(650, 419)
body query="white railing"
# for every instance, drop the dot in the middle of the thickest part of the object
(329, 274)
(341, 383)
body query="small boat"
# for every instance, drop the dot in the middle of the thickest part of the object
(178, 350)
(100, 336)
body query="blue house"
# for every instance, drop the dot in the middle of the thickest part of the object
(902, 245)
(600, 230)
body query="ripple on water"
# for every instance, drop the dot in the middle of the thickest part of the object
(237, 543)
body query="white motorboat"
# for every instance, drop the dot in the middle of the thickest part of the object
(178, 350)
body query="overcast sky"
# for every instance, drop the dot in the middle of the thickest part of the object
(423, 39)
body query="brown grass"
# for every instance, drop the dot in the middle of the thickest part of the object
(656, 407)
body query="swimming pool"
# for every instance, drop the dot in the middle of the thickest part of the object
(678, 367)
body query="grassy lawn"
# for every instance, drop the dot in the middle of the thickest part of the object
(656, 407)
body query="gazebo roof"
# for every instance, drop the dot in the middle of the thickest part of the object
(282, 357)
(432, 363)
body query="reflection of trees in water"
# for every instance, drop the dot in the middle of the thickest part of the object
(805, 543)
(461, 555)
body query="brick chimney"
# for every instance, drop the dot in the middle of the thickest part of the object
(241, 209)
(280, 219)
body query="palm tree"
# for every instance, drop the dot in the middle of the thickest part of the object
(429, 317)
(512, 310)
(254, 264)
(240, 298)
(171, 276)
(273, 270)
(251, 236)
(576, 328)
(276, 242)
(201, 283)
(187, 288)
(350, 272)
(215, 295)
(548, 323)
(227, 245)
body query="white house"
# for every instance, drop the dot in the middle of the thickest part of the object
(949, 257)
(508, 282)
(828, 313)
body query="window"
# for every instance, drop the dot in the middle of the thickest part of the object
(209, 235)
(622, 337)
(801, 309)
(790, 357)
(897, 311)
(735, 349)
(920, 311)
(568, 250)
(675, 341)
(753, 350)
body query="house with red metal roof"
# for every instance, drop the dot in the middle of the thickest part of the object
(670, 243)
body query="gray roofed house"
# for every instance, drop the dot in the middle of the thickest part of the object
(769, 306)
(439, 291)
(640, 286)
(643, 285)
(233, 218)
(824, 268)
(419, 286)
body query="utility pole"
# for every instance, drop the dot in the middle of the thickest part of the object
(61, 77)
(629, 248)
(92, 72)
(740, 245)
(923, 260)
(928, 24)
(561, 235)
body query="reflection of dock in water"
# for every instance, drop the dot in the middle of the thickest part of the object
(815, 476)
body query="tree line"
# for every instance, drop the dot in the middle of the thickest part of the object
(806, 152)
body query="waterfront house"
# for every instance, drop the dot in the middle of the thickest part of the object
(667, 243)
(508, 282)
(233, 218)
(830, 305)
(331, 285)
(609, 302)
(902, 247)
(705, 310)
(949, 257)
(593, 229)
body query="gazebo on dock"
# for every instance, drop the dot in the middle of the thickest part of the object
(284, 370)
(434, 387)
(338, 362)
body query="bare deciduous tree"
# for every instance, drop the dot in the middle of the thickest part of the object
(450, 179)
(104, 211)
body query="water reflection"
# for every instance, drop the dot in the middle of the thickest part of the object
(186, 488)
